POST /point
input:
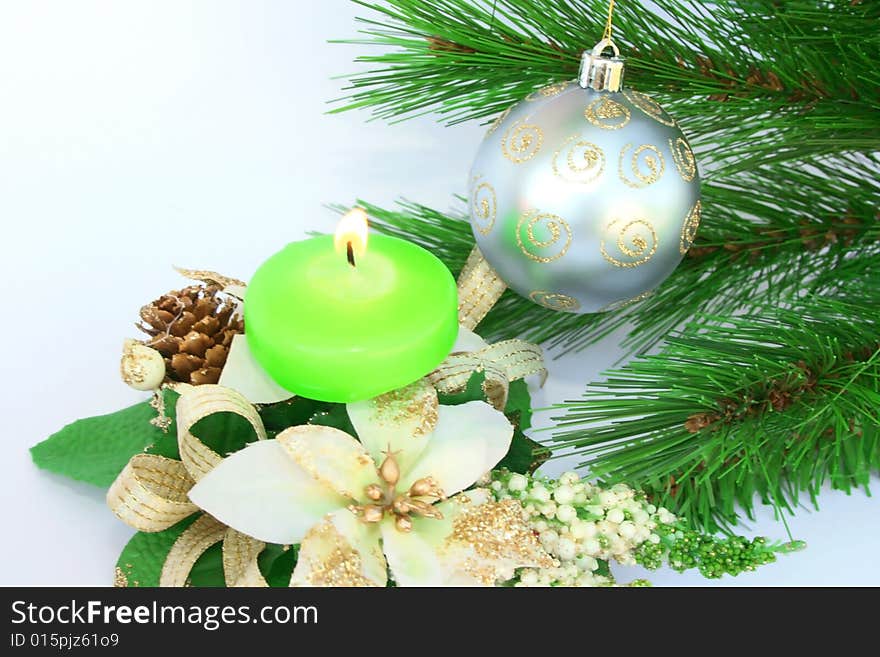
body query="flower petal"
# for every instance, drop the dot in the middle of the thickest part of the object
(340, 551)
(243, 374)
(412, 560)
(332, 457)
(400, 420)
(260, 491)
(469, 441)
(481, 542)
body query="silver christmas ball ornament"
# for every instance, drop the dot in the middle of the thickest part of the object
(585, 196)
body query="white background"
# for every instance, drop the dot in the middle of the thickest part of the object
(135, 136)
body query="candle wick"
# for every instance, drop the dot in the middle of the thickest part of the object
(349, 251)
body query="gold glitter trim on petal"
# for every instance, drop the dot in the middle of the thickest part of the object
(552, 223)
(200, 402)
(150, 494)
(689, 228)
(579, 161)
(488, 541)
(484, 206)
(619, 305)
(189, 546)
(683, 157)
(501, 363)
(649, 106)
(415, 404)
(647, 170)
(522, 142)
(479, 288)
(327, 558)
(240, 566)
(607, 114)
(636, 242)
(555, 301)
(549, 91)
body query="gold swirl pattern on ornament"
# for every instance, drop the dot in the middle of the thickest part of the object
(620, 305)
(607, 114)
(555, 301)
(649, 106)
(498, 121)
(647, 165)
(689, 227)
(549, 91)
(484, 207)
(553, 224)
(578, 161)
(522, 142)
(636, 242)
(683, 157)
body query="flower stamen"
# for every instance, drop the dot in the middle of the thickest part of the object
(400, 505)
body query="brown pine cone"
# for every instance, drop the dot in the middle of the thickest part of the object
(193, 329)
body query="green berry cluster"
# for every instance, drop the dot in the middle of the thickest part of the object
(713, 556)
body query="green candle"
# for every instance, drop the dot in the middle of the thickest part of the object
(350, 323)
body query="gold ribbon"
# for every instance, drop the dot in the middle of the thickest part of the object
(240, 565)
(501, 363)
(189, 546)
(151, 493)
(479, 288)
(199, 403)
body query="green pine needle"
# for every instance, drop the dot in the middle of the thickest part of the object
(771, 406)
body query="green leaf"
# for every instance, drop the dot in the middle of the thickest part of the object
(166, 444)
(277, 564)
(224, 432)
(524, 455)
(519, 404)
(290, 413)
(473, 391)
(142, 558)
(334, 416)
(207, 571)
(96, 449)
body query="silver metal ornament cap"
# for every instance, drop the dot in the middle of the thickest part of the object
(601, 72)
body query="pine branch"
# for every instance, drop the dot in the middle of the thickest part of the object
(772, 406)
(751, 82)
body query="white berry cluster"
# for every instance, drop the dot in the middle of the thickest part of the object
(581, 525)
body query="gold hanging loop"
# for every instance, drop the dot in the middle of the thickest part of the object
(606, 36)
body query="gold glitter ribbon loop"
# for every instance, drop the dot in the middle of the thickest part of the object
(189, 546)
(479, 288)
(198, 403)
(501, 363)
(228, 284)
(240, 565)
(150, 494)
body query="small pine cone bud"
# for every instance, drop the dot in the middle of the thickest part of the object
(195, 343)
(185, 364)
(216, 356)
(205, 375)
(142, 367)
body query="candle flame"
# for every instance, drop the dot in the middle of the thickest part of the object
(351, 233)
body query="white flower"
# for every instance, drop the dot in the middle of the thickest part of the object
(359, 508)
